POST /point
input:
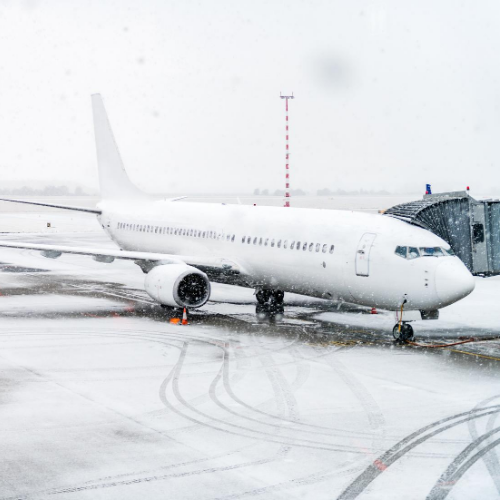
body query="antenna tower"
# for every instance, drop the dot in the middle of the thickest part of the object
(287, 154)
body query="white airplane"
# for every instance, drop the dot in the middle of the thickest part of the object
(371, 260)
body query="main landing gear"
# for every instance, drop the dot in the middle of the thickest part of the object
(270, 305)
(403, 333)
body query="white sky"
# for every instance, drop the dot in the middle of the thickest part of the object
(389, 94)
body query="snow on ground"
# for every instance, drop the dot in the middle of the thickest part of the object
(102, 397)
(51, 303)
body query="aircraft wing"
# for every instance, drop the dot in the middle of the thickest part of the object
(54, 205)
(145, 260)
(69, 207)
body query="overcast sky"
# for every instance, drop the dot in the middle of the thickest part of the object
(389, 94)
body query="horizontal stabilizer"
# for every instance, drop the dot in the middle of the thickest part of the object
(54, 205)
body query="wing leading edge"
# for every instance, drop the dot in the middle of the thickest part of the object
(55, 205)
(145, 260)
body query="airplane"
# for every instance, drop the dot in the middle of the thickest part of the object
(367, 259)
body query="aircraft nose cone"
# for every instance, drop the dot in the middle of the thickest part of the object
(453, 281)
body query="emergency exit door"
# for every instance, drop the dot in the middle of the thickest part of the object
(363, 254)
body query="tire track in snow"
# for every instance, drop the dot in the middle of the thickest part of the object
(491, 459)
(384, 461)
(461, 464)
(239, 430)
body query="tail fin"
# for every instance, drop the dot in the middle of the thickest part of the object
(113, 178)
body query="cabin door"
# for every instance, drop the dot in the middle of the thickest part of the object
(363, 254)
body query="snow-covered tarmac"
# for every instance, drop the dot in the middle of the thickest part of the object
(101, 397)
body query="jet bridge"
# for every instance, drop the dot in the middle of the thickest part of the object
(471, 227)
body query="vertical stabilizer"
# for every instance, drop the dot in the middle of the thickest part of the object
(113, 179)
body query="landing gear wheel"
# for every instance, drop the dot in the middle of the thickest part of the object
(403, 335)
(270, 305)
(278, 296)
(263, 296)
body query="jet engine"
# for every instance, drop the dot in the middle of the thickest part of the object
(178, 285)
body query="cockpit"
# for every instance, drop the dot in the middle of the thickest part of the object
(416, 252)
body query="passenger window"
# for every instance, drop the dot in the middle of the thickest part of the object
(311, 246)
(249, 240)
(272, 243)
(325, 246)
(332, 248)
(292, 245)
(255, 240)
(318, 246)
(266, 242)
(232, 239)
(279, 244)
(285, 244)
(243, 239)
(260, 241)
(401, 251)
(413, 253)
(304, 247)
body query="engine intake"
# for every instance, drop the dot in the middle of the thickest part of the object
(178, 285)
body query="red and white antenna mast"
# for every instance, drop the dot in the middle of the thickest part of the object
(287, 153)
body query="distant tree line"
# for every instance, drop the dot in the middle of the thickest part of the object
(342, 192)
(319, 192)
(45, 191)
(278, 192)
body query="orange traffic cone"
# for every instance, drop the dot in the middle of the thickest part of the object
(184, 317)
(373, 311)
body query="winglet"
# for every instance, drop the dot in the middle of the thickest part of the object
(113, 179)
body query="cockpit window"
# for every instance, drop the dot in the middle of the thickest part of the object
(431, 252)
(401, 251)
(414, 252)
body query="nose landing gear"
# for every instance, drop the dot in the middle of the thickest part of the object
(270, 305)
(403, 333)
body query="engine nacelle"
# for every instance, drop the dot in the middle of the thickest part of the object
(178, 285)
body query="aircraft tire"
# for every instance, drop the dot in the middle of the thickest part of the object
(263, 296)
(406, 333)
